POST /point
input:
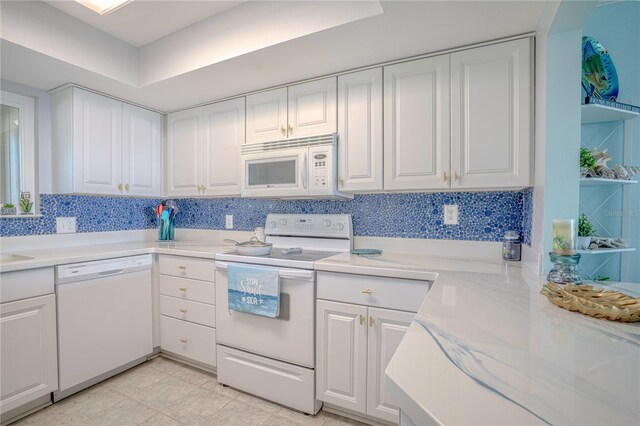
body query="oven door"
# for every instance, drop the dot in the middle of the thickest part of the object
(281, 173)
(289, 337)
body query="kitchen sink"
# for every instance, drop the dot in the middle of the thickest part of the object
(6, 258)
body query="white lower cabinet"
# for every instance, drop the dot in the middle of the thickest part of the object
(29, 366)
(341, 355)
(355, 342)
(187, 308)
(189, 340)
(386, 330)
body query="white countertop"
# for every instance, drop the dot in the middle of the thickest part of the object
(85, 253)
(487, 348)
(484, 348)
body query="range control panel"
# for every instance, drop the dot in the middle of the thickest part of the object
(309, 225)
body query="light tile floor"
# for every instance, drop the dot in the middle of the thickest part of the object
(163, 392)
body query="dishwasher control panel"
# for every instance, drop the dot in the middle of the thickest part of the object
(102, 268)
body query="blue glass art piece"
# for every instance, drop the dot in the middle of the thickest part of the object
(599, 77)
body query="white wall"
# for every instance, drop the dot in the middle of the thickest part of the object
(42, 131)
(37, 26)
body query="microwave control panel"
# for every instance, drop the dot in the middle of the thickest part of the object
(319, 176)
(321, 163)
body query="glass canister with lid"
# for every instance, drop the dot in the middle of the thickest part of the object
(511, 246)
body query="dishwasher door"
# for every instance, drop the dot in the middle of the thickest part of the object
(104, 317)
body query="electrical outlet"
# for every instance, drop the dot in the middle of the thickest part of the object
(228, 223)
(65, 225)
(451, 214)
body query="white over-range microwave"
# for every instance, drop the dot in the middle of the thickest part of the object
(292, 168)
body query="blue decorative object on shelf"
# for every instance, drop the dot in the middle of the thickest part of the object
(599, 76)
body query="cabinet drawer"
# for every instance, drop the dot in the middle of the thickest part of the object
(189, 340)
(188, 310)
(381, 292)
(187, 267)
(24, 284)
(182, 288)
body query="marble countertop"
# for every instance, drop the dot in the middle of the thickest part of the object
(85, 253)
(487, 348)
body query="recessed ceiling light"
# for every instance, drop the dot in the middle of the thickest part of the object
(103, 7)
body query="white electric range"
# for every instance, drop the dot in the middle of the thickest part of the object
(274, 358)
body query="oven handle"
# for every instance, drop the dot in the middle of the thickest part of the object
(294, 274)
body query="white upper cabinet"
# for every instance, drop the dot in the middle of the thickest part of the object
(305, 109)
(224, 132)
(312, 108)
(360, 131)
(491, 116)
(104, 146)
(267, 116)
(141, 151)
(416, 124)
(203, 149)
(97, 147)
(184, 156)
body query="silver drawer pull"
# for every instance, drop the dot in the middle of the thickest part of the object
(366, 291)
(183, 340)
(183, 310)
(183, 289)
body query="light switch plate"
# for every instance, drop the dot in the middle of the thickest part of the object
(228, 221)
(451, 214)
(65, 225)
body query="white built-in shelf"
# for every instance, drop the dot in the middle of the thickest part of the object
(607, 250)
(602, 181)
(594, 113)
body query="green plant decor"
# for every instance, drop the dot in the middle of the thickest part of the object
(587, 160)
(25, 204)
(602, 278)
(585, 227)
(8, 206)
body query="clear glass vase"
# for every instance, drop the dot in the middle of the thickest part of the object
(564, 269)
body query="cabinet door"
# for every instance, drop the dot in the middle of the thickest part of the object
(267, 116)
(312, 108)
(416, 124)
(223, 126)
(491, 116)
(29, 367)
(341, 354)
(386, 330)
(142, 151)
(97, 143)
(360, 131)
(184, 153)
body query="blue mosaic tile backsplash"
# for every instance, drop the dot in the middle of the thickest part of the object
(93, 214)
(484, 216)
(527, 215)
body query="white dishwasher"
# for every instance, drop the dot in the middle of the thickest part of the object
(104, 319)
